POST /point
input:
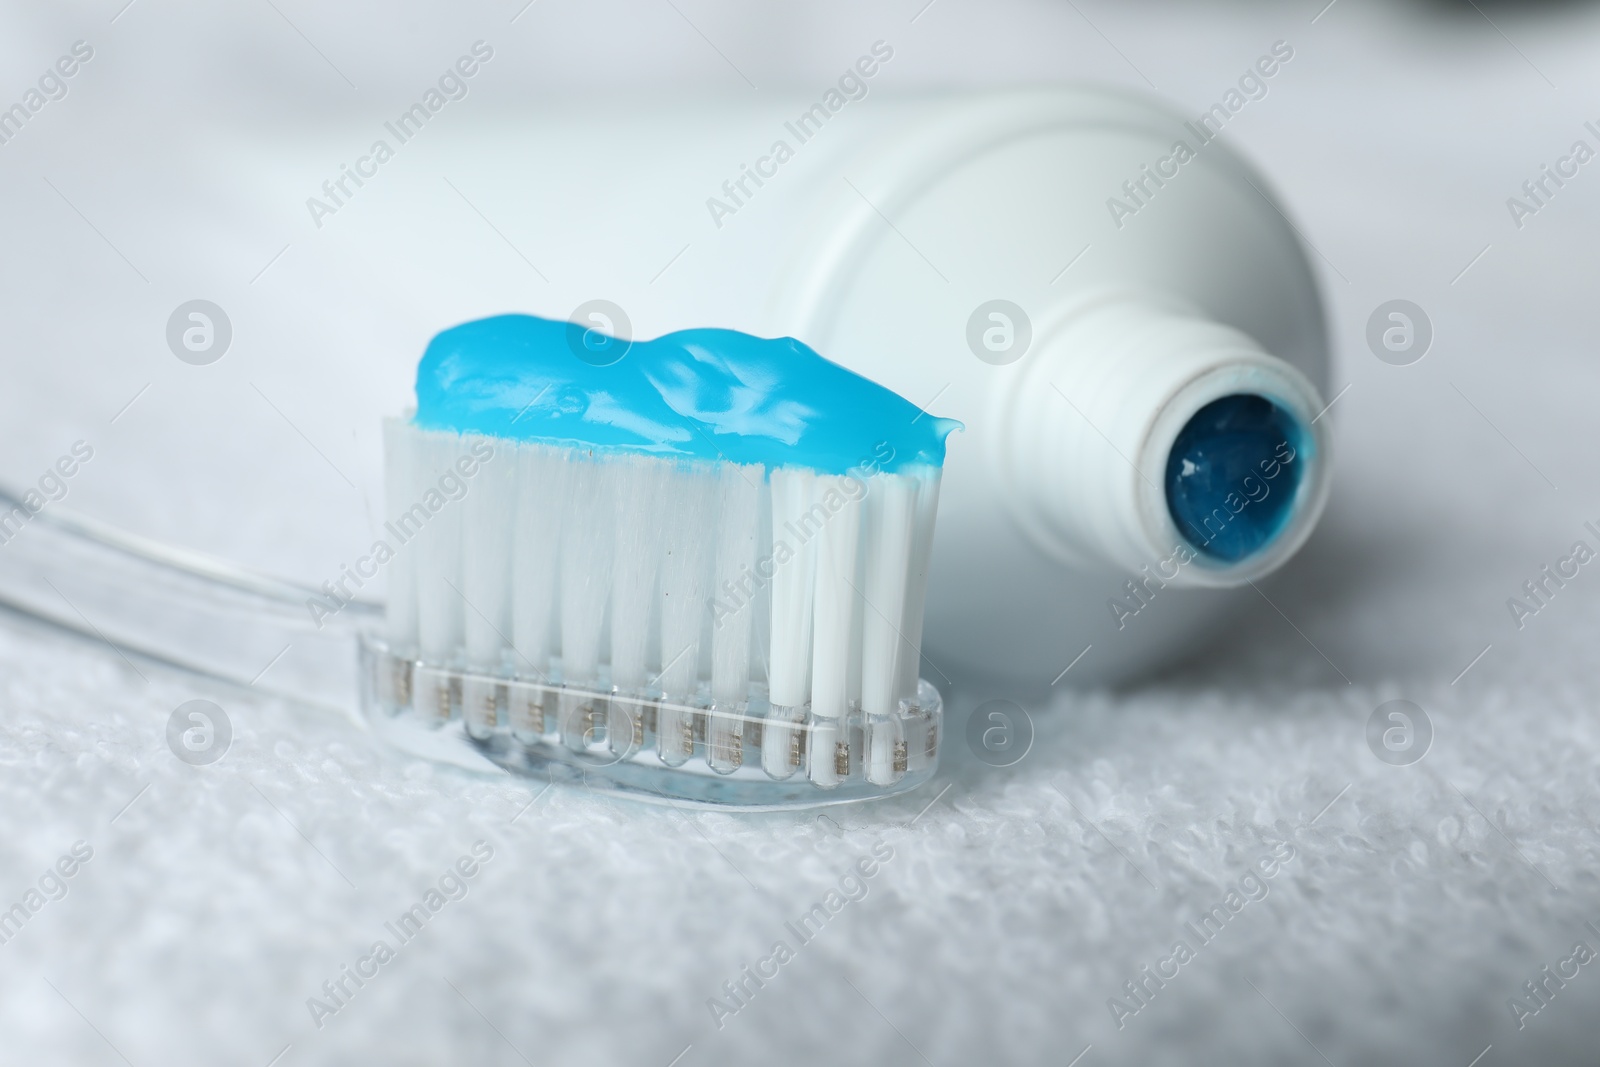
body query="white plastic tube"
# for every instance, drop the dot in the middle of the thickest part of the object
(878, 239)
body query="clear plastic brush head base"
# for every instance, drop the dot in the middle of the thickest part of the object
(752, 756)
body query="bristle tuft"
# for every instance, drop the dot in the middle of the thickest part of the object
(685, 589)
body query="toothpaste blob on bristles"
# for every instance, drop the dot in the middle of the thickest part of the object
(716, 395)
(711, 522)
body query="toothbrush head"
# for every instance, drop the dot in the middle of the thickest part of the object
(693, 574)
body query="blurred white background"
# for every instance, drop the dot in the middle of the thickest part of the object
(179, 163)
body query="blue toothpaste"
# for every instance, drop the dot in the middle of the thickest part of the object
(706, 394)
(1233, 473)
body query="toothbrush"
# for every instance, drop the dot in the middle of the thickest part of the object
(705, 561)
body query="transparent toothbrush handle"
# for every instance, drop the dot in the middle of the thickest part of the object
(150, 601)
(185, 609)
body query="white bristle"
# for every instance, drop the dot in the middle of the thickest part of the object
(399, 471)
(834, 519)
(734, 589)
(735, 583)
(885, 750)
(823, 766)
(675, 581)
(761, 605)
(588, 527)
(688, 522)
(637, 557)
(792, 599)
(927, 507)
(486, 529)
(858, 608)
(588, 530)
(838, 552)
(536, 553)
(487, 511)
(891, 506)
(438, 543)
(789, 664)
(541, 490)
